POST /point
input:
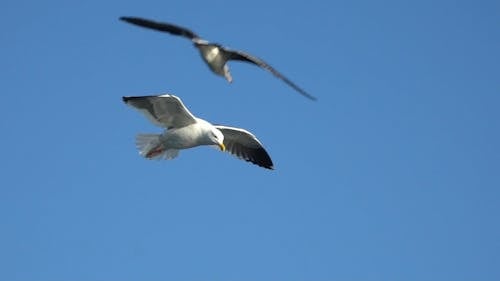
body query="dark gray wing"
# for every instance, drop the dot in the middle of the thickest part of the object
(161, 26)
(246, 146)
(242, 56)
(166, 111)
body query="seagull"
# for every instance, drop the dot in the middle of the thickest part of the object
(183, 130)
(215, 55)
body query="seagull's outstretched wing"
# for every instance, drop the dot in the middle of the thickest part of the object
(162, 26)
(242, 56)
(165, 111)
(246, 146)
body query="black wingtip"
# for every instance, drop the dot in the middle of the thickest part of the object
(127, 19)
(135, 20)
(125, 99)
(268, 166)
(304, 93)
(262, 158)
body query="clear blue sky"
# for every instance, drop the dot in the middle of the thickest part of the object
(393, 174)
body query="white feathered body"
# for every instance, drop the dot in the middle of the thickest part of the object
(168, 144)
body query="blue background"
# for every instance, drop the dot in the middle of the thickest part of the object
(393, 174)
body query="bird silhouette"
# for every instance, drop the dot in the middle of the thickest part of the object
(215, 55)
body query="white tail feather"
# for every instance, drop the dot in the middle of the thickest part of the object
(150, 146)
(146, 142)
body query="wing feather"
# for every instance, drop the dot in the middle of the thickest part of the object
(246, 146)
(165, 111)
(162, 26)
(245, 57)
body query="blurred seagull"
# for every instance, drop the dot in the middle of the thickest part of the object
(184, 130)
(215, 56)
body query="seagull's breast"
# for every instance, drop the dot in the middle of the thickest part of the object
(212, 53)
(214, 57)
(185, 137)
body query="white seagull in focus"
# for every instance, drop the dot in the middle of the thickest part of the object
(183, 130)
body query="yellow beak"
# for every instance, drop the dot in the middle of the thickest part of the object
(222, 146)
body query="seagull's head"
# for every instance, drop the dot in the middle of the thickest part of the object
(217, 138)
